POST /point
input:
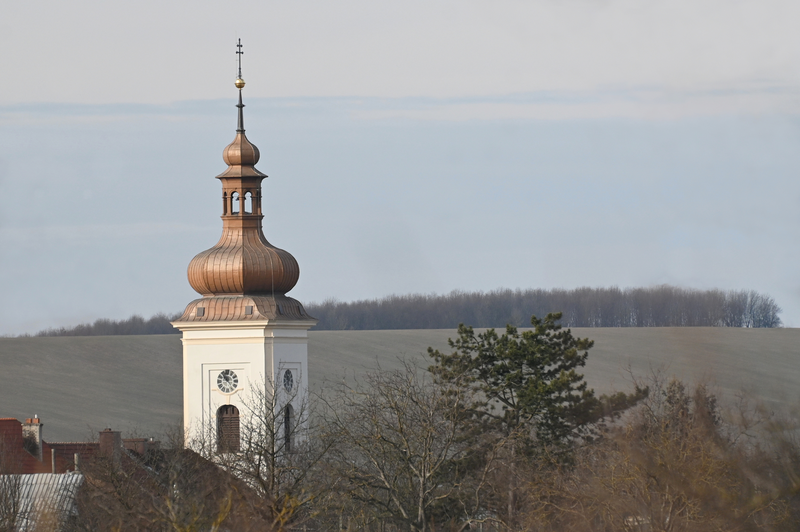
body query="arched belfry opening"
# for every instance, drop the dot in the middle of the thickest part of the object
(228, 435)
(235, 203)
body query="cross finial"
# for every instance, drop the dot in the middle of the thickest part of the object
(240, 53)
(240, 85)
(239, 81)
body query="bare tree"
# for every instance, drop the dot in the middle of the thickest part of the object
(402, 454)
(10, 487)
(10, 504)
(275, 452)
(672, 467)
(172, 489)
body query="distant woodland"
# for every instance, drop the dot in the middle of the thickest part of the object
(158, 324)
(659, 306)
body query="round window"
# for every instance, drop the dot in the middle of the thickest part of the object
(288, 380)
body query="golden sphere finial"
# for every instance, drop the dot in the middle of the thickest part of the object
(239, 83)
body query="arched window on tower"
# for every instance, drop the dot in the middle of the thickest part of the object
(228, 429)
(248, 203)
(288, 427)
(235, 203)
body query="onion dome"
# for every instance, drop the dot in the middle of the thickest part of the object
(243, 262)
(240, 152)
(243, 277)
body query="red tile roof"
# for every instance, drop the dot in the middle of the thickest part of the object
(15, 459)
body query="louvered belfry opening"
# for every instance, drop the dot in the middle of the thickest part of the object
(228, 428)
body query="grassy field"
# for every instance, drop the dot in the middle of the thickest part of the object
(79, 385)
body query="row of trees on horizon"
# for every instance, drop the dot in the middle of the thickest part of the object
(658, 306)
(157, 324)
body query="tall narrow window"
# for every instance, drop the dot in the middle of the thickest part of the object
(228, 429)
(235, 203)
(288, 421)
(248, 203)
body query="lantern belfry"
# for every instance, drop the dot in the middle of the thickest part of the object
(244, 328)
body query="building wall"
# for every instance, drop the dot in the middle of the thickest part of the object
(259, 353)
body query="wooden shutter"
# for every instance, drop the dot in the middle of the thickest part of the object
(228, 428)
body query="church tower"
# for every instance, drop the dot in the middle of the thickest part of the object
(245, 342)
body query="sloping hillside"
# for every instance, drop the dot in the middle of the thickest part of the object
(79, 385)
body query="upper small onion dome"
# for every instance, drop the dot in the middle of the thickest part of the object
(241, 155)
(241, 152)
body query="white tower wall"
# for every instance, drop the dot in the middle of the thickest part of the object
(259, 352)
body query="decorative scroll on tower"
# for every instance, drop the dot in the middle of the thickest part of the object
(245, 335)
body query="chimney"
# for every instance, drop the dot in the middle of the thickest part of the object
(111, 445)
(32, 436)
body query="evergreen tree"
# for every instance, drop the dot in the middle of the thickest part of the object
(527, 382)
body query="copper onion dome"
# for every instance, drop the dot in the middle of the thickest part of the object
(243, 276)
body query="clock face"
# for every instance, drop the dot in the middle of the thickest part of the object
(227, 381)
(288, 380)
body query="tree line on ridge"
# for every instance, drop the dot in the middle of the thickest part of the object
(157, 324)
(658, 306)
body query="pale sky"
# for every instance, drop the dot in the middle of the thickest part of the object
(412, 147)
